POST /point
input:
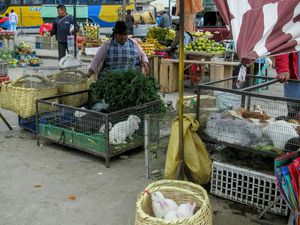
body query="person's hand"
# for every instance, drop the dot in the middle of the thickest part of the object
(283, 77)
(147, 68)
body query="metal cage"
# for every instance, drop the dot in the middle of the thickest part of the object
(256, 118)
(157, 134)
(102, 134)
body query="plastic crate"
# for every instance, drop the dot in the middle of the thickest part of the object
(246, 186)
(4, 78)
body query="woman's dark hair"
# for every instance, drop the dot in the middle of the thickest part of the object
(62, 7)
(6, 14)
(12, 11)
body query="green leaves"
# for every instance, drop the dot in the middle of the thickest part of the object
(124, 89)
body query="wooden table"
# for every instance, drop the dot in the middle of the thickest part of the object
(7, 37)
(169, 72)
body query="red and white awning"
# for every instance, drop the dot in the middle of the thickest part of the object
(262, 27)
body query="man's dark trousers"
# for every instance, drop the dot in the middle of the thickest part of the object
(62, 48)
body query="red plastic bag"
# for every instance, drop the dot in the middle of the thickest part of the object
(46, 27)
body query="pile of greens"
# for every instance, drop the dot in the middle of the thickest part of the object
(124, 89)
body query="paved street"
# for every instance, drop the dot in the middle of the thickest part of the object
(35, 182)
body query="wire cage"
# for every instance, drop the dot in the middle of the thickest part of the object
(157, 134)
(45, 42)
(102, 134)
(255, 118)
(29, 123)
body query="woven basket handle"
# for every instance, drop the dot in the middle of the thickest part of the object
(24, 77)
(76, 73)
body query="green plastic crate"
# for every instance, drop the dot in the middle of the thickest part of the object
(94, 143)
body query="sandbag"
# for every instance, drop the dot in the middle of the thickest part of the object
(195, 154)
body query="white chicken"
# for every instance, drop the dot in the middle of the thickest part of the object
(161, 205)
(183, 211)
(280, 132)
(173, 215)
(186, 210)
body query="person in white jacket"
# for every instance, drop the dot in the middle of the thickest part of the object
(13, 20)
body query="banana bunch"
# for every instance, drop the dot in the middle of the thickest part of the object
(92, 31)
(148, 48)
(156, 44)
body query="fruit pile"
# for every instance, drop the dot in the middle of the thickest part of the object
(161, 34)
(148, 48)
(205, 45)
(92, 31)
(34, 61)
(6, 54)
(202, 34)
(157, 45)
(23, 48)
(13, 63)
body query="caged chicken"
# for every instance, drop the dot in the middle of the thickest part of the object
(226, 128)
(281, 132)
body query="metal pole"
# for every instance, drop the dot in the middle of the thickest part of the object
(123, 10)
(147, 160)
(75, 32)
(181, 89)
(170, 13)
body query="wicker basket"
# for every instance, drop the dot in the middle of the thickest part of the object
(20, 95)
(72, 81)
(180, 192)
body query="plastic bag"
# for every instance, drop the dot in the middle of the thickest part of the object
(46, 27)
(69, 61)
(196, 156)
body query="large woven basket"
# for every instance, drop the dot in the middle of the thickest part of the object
(72, 81)
(20, 95)
(180, 192)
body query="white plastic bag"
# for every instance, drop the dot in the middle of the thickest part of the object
(69, 61)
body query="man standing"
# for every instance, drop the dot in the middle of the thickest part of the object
(165, 20)
(287, 67)
(13, 20)
(62, 29)
(129, 21)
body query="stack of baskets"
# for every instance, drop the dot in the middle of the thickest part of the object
(20, 95)
(180, 192)
(71, 81)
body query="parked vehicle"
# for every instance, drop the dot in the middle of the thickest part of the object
(211, 21)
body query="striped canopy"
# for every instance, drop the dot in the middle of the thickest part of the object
(262, 27)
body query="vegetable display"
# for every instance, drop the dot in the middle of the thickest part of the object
(125, 89)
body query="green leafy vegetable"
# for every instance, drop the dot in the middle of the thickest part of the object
(124, 89)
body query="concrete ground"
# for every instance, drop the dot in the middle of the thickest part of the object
(35, 183)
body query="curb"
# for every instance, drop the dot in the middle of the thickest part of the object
(55, 57)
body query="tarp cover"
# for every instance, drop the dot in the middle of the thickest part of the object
(262, 27)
